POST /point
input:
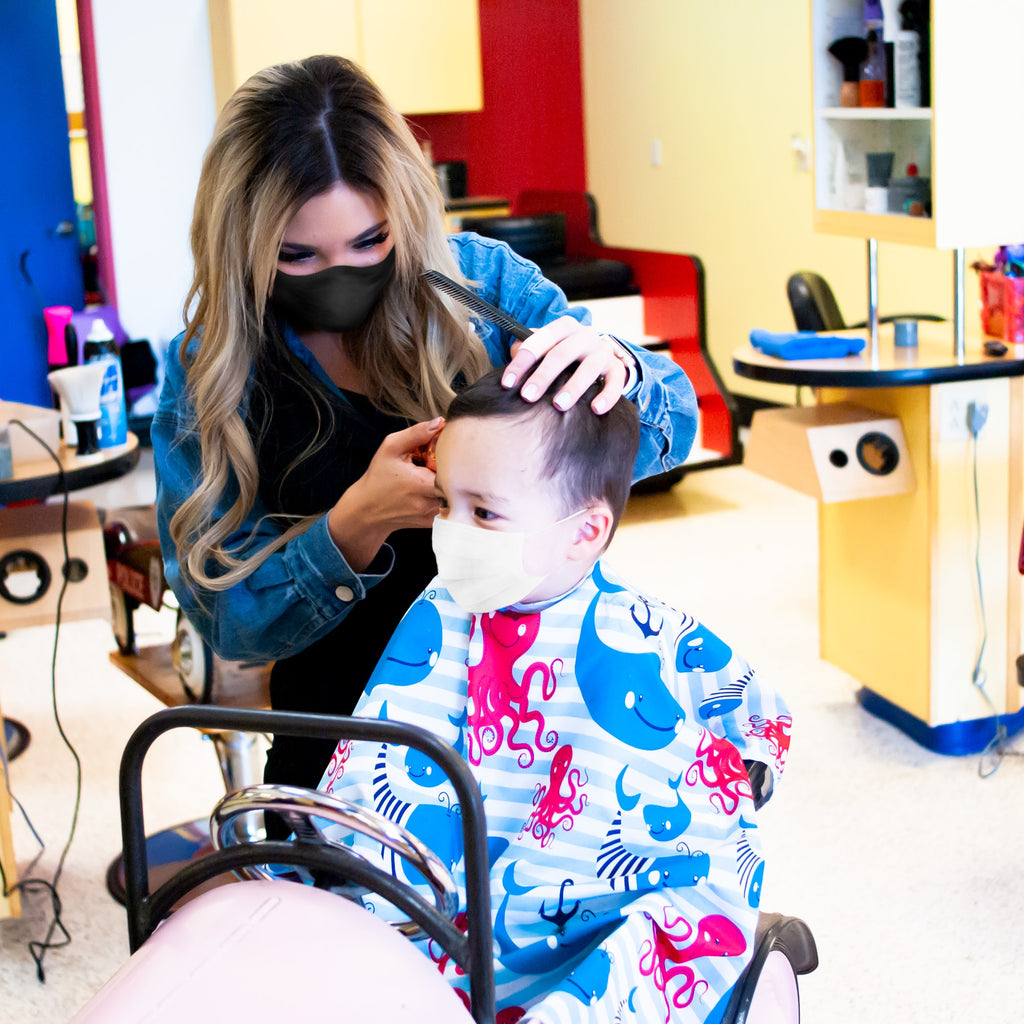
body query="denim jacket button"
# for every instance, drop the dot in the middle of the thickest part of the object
(344, 593)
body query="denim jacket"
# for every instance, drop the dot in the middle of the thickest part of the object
(307, 588)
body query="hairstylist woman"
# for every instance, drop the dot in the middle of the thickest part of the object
(294, 516)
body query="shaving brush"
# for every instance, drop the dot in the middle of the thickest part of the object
(851, 52)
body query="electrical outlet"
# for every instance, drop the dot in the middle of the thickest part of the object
(954, 402)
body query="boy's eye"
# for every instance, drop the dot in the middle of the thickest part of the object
(294, 255)
(370, 243)
(483, 513)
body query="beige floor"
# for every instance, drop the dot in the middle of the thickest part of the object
(905, 864)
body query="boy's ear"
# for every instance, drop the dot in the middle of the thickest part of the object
(592, 533)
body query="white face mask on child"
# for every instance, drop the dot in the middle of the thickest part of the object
(483, 569)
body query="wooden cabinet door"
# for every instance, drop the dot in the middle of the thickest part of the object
(424, 54)
(247, 35)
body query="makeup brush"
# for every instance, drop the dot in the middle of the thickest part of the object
(851, 52)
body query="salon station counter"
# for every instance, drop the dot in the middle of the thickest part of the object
(887, 451)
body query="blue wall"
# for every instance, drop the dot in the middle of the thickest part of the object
(35, 196)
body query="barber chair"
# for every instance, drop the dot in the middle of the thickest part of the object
(543, 238)
(814, 307)
(270, 949)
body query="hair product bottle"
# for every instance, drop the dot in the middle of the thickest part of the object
(100, 346)
(907, 59)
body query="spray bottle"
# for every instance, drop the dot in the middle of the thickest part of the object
(100, 346)
(872, 72)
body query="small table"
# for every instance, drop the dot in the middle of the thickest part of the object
(898, 593)
(39, 479)
(927, 363)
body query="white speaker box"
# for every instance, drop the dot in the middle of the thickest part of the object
(833, 452)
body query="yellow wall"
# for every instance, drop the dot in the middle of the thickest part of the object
(725, 87)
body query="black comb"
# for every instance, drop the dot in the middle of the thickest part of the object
(473, 301)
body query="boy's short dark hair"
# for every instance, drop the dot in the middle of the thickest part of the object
(589, 456)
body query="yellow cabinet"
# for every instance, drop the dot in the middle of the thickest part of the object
(424, 54)
(966, 142)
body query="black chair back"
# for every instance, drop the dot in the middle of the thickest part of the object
(812, 302)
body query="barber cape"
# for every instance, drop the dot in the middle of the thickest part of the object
(608, 733)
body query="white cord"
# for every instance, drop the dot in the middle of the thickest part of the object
(977, 413)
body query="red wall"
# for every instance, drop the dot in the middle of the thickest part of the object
(530, 131)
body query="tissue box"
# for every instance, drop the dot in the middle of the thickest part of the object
(1002, 307)
(45, 422)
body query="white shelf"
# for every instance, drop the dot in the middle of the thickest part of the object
(876, 113)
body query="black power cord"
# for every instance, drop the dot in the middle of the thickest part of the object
(30, 885)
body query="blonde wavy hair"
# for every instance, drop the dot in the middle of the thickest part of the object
(288, 134)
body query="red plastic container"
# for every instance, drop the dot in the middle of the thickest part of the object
(1002, 307)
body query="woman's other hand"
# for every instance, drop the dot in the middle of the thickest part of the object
(551, 348)
(396, 492)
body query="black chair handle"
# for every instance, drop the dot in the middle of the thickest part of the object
(145, 910)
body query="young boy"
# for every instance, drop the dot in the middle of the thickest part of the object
(608, 732)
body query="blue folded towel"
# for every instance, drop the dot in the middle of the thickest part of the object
(803, 344)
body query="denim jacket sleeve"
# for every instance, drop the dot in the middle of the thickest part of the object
(664, 395)
(296, 596)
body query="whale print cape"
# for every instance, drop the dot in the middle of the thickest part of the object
(608, 734)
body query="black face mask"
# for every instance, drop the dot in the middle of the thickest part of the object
(334, 299)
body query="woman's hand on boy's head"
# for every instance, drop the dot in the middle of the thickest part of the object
(553, 347)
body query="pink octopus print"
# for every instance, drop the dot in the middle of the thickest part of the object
(666, 959)
(552, 807)
(506, 1015)
(720, 767)
(776, 732)
(336, 769)
(441, 956)
(497, 698)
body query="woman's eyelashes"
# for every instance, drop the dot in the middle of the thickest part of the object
(372, 243)
(294, 255)
(302, 255)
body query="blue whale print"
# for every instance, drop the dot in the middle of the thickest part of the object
(722, 701)
(666, 822)
(437, 825)
(624, 692)
(588, 981)
(422, 770)
(750, 867)
(413, 649)
(678, 869)
(550, 951)
(701, 651)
